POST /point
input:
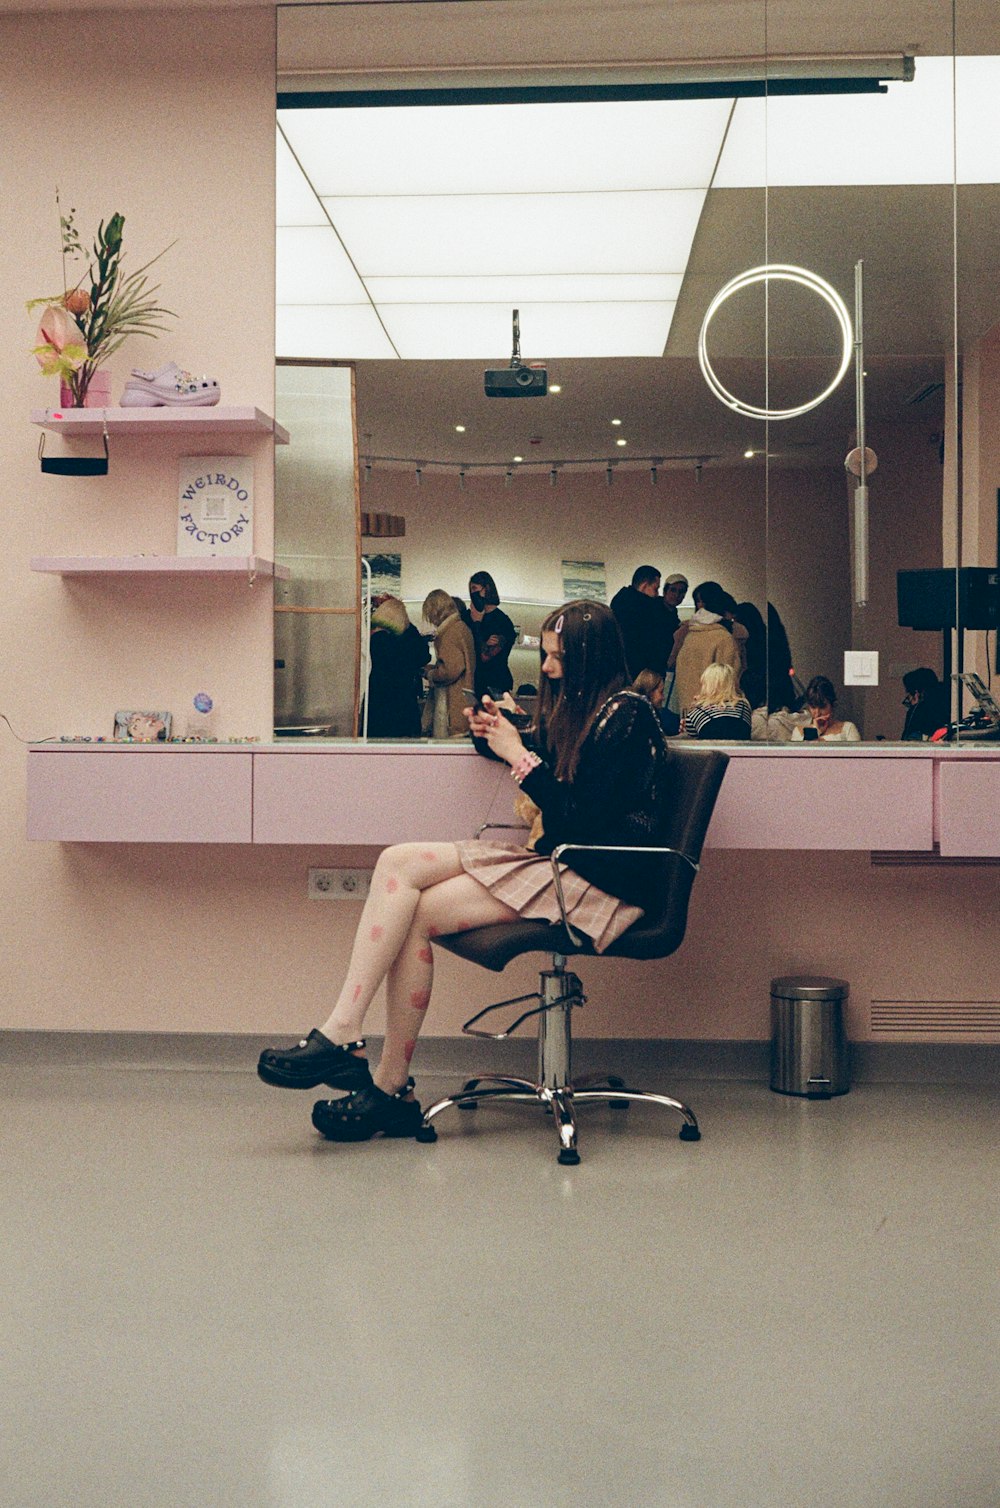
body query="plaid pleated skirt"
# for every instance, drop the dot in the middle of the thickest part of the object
(523, 880)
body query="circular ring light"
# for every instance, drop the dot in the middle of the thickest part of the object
(776, 272)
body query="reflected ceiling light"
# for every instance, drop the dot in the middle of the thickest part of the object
(621, 442)
(518, 458)
(775, 272)
(749, 454)
(616, 421)
(460, 429)
(555, 387)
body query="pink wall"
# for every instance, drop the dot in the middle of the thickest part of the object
(222, 938)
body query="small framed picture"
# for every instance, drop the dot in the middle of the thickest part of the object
(142, 727)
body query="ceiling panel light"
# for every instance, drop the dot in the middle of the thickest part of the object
(497, 149)
(901, 137)
(331, 332)
(473, 234)
(549, 289)
(312, 267)
(456, 332)
(295, 201)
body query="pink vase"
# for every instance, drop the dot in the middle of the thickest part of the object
(98, 392)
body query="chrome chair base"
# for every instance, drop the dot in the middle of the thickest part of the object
(559, 991)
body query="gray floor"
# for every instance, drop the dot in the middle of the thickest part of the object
(205, 1304)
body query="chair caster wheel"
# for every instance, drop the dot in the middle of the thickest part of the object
(425, 1133)
(614, 1082)
(689, 1133)
(568, 1157)
(468, 1105)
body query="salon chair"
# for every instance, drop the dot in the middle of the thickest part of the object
(696, 775)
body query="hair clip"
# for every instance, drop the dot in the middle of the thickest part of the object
(557, 627)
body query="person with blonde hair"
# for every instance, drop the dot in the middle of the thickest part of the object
(454, 668)
(719, 710)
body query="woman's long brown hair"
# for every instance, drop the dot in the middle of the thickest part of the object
(593, 660)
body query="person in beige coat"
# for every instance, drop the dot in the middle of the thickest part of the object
(454, 670)
(702, 641)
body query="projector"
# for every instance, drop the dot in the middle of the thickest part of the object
(516, 382)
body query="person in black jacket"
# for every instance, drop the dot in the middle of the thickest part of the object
(398, 653)
(644, 622)
(597, 767)
(493, 634)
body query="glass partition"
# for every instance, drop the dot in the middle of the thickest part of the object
(860, 194)
(637, 460)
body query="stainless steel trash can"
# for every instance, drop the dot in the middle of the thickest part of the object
(809, 1053)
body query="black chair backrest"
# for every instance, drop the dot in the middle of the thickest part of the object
(724, 727)
(696, 775)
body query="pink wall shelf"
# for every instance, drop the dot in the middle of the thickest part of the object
(160, 565)
(81, 423)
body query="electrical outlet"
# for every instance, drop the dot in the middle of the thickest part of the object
(339, 884)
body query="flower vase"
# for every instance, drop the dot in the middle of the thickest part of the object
(97, 395)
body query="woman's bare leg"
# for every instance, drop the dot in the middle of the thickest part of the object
(453, 905)
(402, 873)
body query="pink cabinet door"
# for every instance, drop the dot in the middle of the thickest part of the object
(374, 799)
(139, 796)
(969, 808)
(812, 801)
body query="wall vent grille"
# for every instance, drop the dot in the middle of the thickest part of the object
(954, 1018)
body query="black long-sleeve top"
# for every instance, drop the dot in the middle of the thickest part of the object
(618, 795)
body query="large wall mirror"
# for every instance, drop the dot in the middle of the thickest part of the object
(610, 211)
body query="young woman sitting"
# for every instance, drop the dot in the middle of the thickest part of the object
(597, 767)
(719, 710)
(824, 725)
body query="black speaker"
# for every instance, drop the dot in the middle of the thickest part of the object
(978, 597)
(925, 599)
(928, 599)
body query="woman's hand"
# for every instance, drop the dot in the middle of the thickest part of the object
(502, 737)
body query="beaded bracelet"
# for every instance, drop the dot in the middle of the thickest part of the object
(527, 762)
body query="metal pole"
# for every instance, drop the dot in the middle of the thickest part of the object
(861, 490)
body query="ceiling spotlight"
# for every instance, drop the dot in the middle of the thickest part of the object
(621, 442)
(555, 387)
(460, 429)
(616, 421)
